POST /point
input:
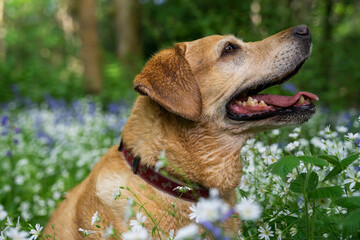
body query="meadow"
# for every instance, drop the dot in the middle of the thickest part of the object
(298, 183)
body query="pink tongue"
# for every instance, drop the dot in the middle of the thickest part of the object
(283, 101)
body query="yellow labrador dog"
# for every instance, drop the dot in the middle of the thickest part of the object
(200, 101)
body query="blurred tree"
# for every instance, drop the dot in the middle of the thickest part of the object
(327, 41)
(2, 32)
(127, 22)
(90, 47)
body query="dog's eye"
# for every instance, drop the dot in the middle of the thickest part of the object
(229, 48)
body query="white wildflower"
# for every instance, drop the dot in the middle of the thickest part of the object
(352, 136)
(327, 129)
(275, 132)
(183, 189)
(354, 177)
(95, 218)
(291, 146)
(341, 129)
(86, 232)
(294, 135)
(284, 191)
(278, 232)
(293, 231)
(129, 209)
(16, 234)
(162, 162)
(340, 210)
(211, 209)
(3, 213)
(297, 130)
(291, 176)
(189, 232)
(109, 231)
(325, 235)
(261, 192)
(2, 236)
(18, 225)
(116, 193)
(265, 232)
(270, 160)
(36, 232)
(248, 209)
(213, 193)
(139, 234)
(171, 235)
(138, 223)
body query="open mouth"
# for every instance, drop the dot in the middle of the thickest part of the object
(249, 105)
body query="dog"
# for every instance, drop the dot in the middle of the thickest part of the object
(199, 102)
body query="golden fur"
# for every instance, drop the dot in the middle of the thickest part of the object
(182, 110)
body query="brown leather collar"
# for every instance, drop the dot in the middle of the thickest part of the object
(160, 181)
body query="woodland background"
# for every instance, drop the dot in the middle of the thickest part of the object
(67, 49)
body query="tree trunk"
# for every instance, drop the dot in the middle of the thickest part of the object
(2, 32)
(90, 47)
(326, 43)
(127, 31)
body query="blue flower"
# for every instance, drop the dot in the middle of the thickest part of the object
(290, 87)
(4, 120)
(216, 231)
(9, 153)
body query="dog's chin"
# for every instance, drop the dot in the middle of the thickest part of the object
(287, 117)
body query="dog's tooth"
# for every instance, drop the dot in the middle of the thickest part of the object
(262, 103)
(301, 100)
(255, 101)
(250, 102)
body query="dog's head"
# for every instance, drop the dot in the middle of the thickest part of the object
(218, 79)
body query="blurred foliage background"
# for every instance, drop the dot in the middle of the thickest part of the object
(70, 48)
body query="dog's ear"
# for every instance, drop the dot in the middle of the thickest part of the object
(168, 80)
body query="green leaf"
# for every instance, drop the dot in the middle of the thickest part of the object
(330, 159)
(351, 223)
(285, 165)
(349, 160)
(313, 160)
(348, 202)
(332, 173)
(326, 192)
(296, 185)
(313, 181)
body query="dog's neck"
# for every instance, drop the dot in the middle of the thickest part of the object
(204, 154)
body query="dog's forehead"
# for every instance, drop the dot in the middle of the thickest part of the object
(214, 41)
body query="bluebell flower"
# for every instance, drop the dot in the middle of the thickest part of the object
(290, 87)
(49, 140)
(227, 215)
(216, 231)
(92, 108)
(4, 120)
(113, 108)
(9, 153)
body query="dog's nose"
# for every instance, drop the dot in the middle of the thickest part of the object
(301, 31)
